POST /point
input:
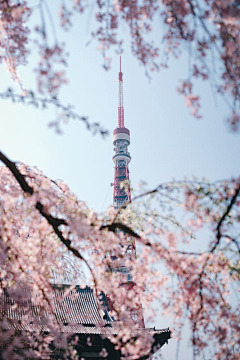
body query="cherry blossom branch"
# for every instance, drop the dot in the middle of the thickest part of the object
(19, 177)
(114, 226)
(54, 222)
(29, 98)
(219, 236)
(163, 186)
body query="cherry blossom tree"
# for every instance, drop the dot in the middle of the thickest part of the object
(208, 30)
(48, 219)
(42, 220)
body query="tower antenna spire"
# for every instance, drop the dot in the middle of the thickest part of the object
(120, 98)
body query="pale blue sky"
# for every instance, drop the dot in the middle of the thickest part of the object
(166, 141)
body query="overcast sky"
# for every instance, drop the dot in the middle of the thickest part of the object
(166, 142)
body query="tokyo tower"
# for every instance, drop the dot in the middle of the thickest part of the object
(122, 193)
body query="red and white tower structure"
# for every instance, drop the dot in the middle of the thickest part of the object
(122, 158)
(122, 195)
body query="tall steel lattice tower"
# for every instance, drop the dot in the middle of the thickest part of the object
(122, 158)
(122, 193)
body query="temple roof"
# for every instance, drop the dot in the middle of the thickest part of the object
(78, 307)
(78, 312)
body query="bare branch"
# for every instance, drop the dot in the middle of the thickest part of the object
(224, 216)
(114, 226)
(19, 177)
